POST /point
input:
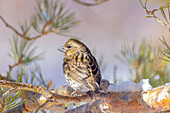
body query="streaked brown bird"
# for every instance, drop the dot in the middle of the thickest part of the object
(80, 67)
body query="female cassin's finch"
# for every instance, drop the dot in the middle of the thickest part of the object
(80, 67)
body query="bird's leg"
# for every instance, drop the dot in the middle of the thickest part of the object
(97, 91)
(74, 93)
(90, 93)
(77, 93)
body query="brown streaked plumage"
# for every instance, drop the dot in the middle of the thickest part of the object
(80, 67)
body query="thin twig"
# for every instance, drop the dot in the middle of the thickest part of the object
(46, 24)
(2, 107)
(23, 35)
(114, 74)
(151, 13)
(90, 4)
(12, 66)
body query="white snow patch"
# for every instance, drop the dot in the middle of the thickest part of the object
(167, 84)
(129, 86)
(161, 96)
(43, 98)
(69, 107)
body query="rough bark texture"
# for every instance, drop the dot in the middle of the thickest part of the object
(157, 99)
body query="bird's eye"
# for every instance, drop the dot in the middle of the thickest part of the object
(68, 46)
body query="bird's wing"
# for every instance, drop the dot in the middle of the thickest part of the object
(82, 73)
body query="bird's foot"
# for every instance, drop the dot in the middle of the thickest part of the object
(90, 93)
(74, 93)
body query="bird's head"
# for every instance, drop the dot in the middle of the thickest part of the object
(71, 46)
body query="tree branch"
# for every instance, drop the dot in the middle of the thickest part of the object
(23, 35)
(157, 99)
(48, 94)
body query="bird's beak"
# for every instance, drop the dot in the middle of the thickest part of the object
(62, 49)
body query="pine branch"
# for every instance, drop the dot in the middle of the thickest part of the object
(2, 107)
(166, 52)
(7, 92)
(27, 96)
(145, 61)
(22, 53)
(50, 17)
(15, 65)
(47, 93)
(151, 14)
(113, 101)
(12, 28)
(23, 35)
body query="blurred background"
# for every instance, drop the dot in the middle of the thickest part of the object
(102, 28)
